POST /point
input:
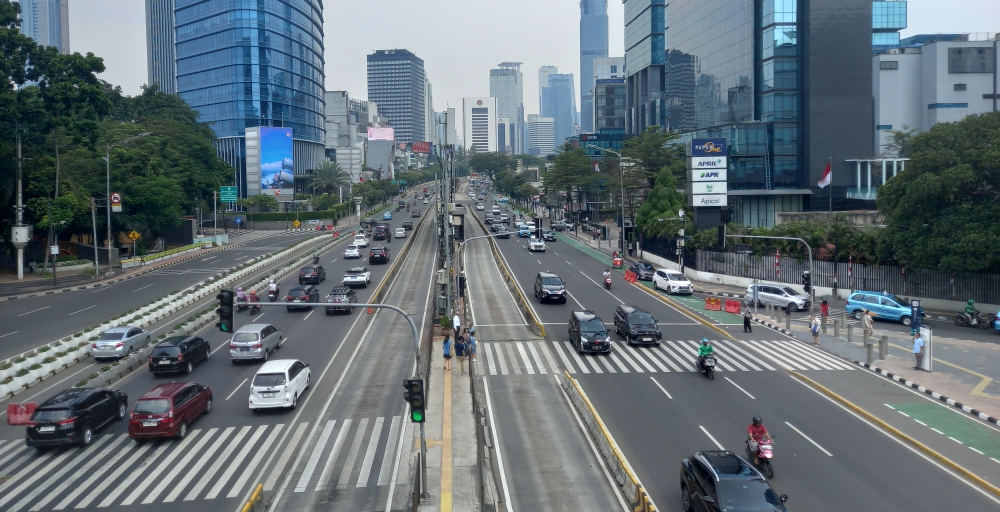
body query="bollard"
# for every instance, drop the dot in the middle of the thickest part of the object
(883, 347)
(864, 339)
(768, 310)
(843, 317)
(868, 353)
(850, 334)
(823, 322)
(788, 322)
(836, 328)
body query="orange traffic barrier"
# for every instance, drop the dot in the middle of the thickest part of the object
(713, 304)
(371, 310)
(20, 414)
(733, 306)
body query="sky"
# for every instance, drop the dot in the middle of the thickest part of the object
(459, 40)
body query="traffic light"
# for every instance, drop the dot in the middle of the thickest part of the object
(225, 310)
(806, 281)
(414, 395)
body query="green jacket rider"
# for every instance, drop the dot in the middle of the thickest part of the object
(705, 349)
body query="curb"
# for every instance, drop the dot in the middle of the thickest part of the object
(774, 327)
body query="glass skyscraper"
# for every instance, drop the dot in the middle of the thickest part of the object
(888, 18)
(593, 45)
(47, 22)
(645, 59)
(242, 64)
(560, 105)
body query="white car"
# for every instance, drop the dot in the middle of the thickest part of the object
(425, 201)
(352, 252)
(536, 244)
(357, 276)
(518, 223)
(496, 210)
(399, 233)
(671, 281)
(361, 240)
(279, 384)
(530, 225)
(480, 207)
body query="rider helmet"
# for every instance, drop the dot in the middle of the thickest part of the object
(704, 341)
(971, 301)
(239, 288)
(757, 421)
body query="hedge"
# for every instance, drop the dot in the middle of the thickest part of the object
(334, 213)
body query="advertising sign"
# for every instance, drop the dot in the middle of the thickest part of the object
(422, 147)
(708, 147)
(116, 202)
(708, 187)
(709, 200)
(276, 165)
(381, 134)
(708, 175)
(708, 162)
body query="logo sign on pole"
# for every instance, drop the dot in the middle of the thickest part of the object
(707, 162)
(708, 175)
(707, 147)
(116, 202)
(709, 200)
(239, 220)
(133, 236)
(709, 187)
(227, 194)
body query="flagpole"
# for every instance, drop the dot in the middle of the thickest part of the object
(830, 163)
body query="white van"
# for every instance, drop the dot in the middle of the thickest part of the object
(279, 383)
(671, 281)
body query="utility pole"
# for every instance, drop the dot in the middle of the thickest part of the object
(93, 221)
(215, 217)
(107, 161)
(20, 232)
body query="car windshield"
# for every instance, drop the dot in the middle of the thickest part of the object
(244, 337)
(552, 281)
(746, 494)
(48, 415)
(297, 293)
(152, 406)
(898, 300)
(676, 277)
(352, 247)
(108, 336)
(267, 380)
(645, 266)
(594, 325)
(166, 351)
(640, 318)
(788, 290)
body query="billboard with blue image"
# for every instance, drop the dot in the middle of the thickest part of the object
(276, 165)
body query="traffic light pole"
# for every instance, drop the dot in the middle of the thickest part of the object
(812, 289)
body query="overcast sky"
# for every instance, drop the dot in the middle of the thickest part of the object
(459, 40)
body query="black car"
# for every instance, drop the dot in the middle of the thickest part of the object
(312, 274)
(722, 480)
(549, 286)
(488, 220)
(548, 236)
(637, 326)
(72, 416)
(178, 354)
(380, 234)
(378, 255)
(407, 225)
(587, 332)
(341, 295)
(503, 233)
(642, 270)
(299, 296)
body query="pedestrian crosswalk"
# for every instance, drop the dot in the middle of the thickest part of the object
(546, 357)
(209, 464)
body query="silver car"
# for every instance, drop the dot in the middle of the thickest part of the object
(118, 342)
(254, 341)
(779, 296)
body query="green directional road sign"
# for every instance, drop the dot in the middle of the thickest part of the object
(227, 195)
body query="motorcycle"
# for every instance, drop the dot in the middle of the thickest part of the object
(707, 366)
(240, 304)
(255, 308)
(764, 455)
(316, 260)
(607, 283)
(272, 295)
(978, 320)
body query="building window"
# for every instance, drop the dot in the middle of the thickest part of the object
(614, 69)
(947, 105)
(960, 87)
(888, 64)
(884, 127)
(970, 60)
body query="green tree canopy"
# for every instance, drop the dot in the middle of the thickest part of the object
(663, 202)
(329, 176)
(490, 163)
(651, 151)
(571, 172)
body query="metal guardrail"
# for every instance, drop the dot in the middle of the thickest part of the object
(379, 292)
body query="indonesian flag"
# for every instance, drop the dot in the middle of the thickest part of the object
(827, 177)
(777, 260)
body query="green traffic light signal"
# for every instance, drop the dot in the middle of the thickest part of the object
(417, 416)
(225, 310)
(414, 395)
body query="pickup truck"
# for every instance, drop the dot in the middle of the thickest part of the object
(357, 276)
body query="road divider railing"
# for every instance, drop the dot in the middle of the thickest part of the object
(628, 485)
(25, 370)
(153, 258)
(394, 267)
(508, 277)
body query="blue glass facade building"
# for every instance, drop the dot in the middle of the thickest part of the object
(645, 62)
(593, 45)
(888, 18)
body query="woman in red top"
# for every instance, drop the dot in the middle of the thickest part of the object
(825, 309)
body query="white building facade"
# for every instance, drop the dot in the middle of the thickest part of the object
(507, 86)
(540, 135)
(479, 126)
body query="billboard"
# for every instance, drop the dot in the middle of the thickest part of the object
(381, 133)
(707, 162)
(708, 187)
(708, 175)
(276, 165)
(422, 147)
(707, 147)
(709, 200)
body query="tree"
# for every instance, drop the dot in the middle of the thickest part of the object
(260, 202)
(490, 163)
(329, 176)
(571, 173)
(651, 151)
(663, 202)
(899, 144)
(942, 212)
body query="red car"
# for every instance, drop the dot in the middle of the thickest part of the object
(168, 410)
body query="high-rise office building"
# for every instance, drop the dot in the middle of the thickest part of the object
(560, 105)
(888, 18)
(244, 64)
(593, 45)
(543, 82)
(429, 108)
(479, 126)
(540, 136)
(507, 86)
(396, 81)
(346, 124)
(645, 62)
(47, 22)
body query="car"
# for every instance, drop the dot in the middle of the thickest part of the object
(401, 204)
(380, 234)
(378, 254)
(254, 342)
(548, 286)
(279, 384)
(495, 227)
(721, 480)
(671, 281)
(504, 218)
(425, 200)
(488, 219)
(496, 210)
(72, 416)
(777, 295)
(885, 306)
(637, 326)
(322, 227)
(549, 236)
(643, 271)
(407, 225)
(536, 244)
(360, 240)
(312, 274)
(178, 354)
(503, 233)
(416, 213)
(588, 334)
(341, 295)
(480, 207)
(528, 224)
(352, 252)
(387, 216)
(518, 223)
(399, 233)
(299, 296)
(558, 225)
(523, 232)
(168, 410)
(357, 276)
(382, 225)
(118, 342)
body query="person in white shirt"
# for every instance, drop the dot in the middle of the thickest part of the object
(918, 350)
(456, 323)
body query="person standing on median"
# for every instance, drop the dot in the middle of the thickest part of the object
(918, 350)
(747, 316)
(814, 328)
(446, 346)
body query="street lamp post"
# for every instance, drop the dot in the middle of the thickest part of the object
(812, 288)
(107, 161)
(621, 175)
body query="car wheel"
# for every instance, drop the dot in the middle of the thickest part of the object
(86, 436)
(301, 282)
(857, 315)
(189, 367)
(264, 357)
(328, 312)
(655, 286)
(122, 411)
(288, 308)
(208, 354)
(792, 307)
(233, 361)
(138, 439)
(905, 321)
(308, 381)
(182, 432)
(208, 406)
(147, 341)
(617, 330)
(685, 498)
(295, 402)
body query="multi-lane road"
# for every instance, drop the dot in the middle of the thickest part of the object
(660, 410)
(351, 420)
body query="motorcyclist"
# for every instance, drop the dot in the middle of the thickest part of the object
(756, 433)
(239, 293)
(705, 349)
(315, 257)
(970, 312)
(272, 286)
(607, 273)
(253, 299)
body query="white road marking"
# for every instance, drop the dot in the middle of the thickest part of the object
(739, 388)
(385, 471)
(234, 464)
(177, 468)
(314, 457)
(977, 451)
(33, 310)
(661, 388)
(71, 314)
(956, 440)
(352, 455)
(366, 463)
(238, 386)
(334, 454)
(936, 430)
(710, 437)
(496, 442)
(214, 470)
(807, 438)
(143, 288)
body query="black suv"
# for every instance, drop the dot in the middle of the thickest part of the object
(548, 286)
(637, 326)
(300, 296)
(407, 225)
(341, 295)
(548, 236)
(378, 255)
(587, 332)
(642, 270)
(178, 353)
(380, 234)
(72, 416)
(721, 480)
(312, 274)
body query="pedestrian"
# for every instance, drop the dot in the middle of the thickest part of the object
(747, 316)
(631, 249)
(456, 323)
(473, 344)
(446, 345)
(866, 323)
(918, 350)
(31, 267)
(824, 309)
(460, 353)
(814, 327)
